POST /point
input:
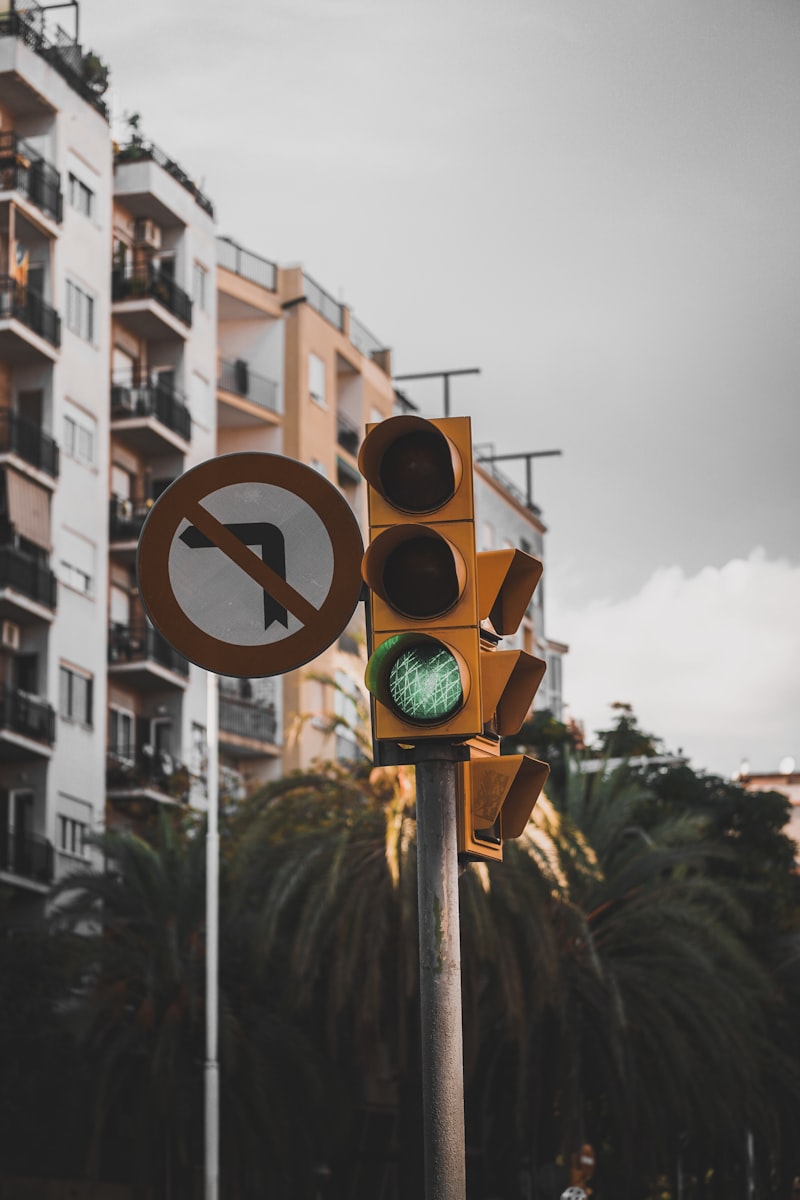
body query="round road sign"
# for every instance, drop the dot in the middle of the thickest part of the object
(250, 564)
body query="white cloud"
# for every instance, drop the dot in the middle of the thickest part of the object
(710, 663)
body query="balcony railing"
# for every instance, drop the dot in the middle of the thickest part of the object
(28, 307)
(29, 715)
(141, 643)
(25, 439)
(234, 257)
(147, 283)
(126, 518)
(146, 768)
(151, 400)
(363, 340)
(246, 719)
(348, 434)
(28, 575)
(237, 377)
(28, 855)
(23, 170)
(66, 58)
(140, 150)
(323, 303)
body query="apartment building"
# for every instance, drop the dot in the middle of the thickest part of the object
(299, 375)
(55, 321)
(135, 342)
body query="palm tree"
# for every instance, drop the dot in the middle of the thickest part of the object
(139, 1016)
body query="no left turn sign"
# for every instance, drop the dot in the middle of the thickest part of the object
(250, 564)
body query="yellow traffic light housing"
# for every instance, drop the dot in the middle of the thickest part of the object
(497, 793)
(420, 568)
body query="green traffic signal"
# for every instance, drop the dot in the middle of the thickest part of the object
(420, 677)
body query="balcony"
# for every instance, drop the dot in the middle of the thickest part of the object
(150, 417)
(24, 171)
(66, 57)
(142, 657)
(23, 439)
(140, 150)
(28, 587)
(145, 774)
(125, 521)
(258, 394)
(27, 726)
(30, 330)
(28, 858)
(150, 303)
(247, 729)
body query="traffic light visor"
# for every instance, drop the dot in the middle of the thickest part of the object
(506, 581)
(411, 463)
(422, 679)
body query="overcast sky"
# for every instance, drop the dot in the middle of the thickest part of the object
(598, 204)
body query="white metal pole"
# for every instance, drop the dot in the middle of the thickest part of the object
(211, 1074)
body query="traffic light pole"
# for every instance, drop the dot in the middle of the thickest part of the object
(440, 971)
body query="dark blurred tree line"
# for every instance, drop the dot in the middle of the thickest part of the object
(631, 978)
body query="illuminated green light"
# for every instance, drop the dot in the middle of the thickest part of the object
(425, 683)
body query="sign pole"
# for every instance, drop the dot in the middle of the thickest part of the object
(440, 973)
(211, 1073)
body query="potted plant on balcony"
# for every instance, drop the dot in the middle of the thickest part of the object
(95, 72)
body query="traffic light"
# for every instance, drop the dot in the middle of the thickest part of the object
(497, 793)
(420, 567)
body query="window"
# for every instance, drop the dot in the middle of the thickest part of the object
(319, 467)
(77, 562)
(200, 286)
(120, 733)
(79, 196)
(316, 380)
(80, 311)
(346, 710)
(72, 836)
(79, 437)
(75, 695)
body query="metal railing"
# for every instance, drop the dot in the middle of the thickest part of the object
(151, 400)
(348, 434)
(23, 573)
(27, 306)
(126, 518)
(323, 303)
(235, 376)
(246, 719)
(25, 438)
(141, 643)
(234, 257)
(28, 715)
(23, 170)
(147, 768)
(138, 150)
(67, 59)
(363, 340)
(27, 855)
(148, 283)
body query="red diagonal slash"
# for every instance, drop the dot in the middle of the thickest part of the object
(265, 577)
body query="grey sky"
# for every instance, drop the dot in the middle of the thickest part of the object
(596, 203)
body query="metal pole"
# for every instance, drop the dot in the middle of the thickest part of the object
(440, 979)
(211, 1073)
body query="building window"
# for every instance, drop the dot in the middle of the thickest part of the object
(200, 286)
(80, 311)
(316, 380)
(75, 695)
(79, 196)
(120, 734)
(79, 439)
(72, 836)
(77, 559)
(319, 467)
